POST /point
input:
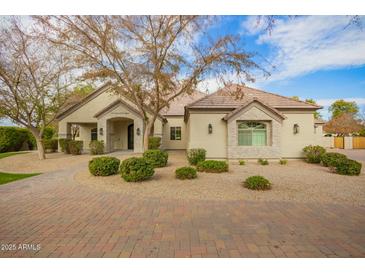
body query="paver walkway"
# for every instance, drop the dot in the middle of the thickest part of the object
(71, 220)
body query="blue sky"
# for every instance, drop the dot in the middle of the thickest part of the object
(319, 57)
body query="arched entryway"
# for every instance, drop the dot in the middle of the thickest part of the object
(120, 134)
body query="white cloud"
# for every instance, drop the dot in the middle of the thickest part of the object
(310, 43)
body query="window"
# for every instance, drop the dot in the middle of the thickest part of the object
(94, 134)
(251, 134)
(175, 133)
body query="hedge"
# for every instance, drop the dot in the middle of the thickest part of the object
(15, 138)
(186, 172)
(104, 166)
(212, 166)
(96, 147)
(75, 147)
(154, 142)
(196, 155)
(136, 169)
(51, 144)
(257, 183)
(157, 158)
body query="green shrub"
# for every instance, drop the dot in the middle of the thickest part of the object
(154, 142)
(64, 145)
(348, 167)
(283, 161)
(313, 154)
(157, 158)
(96, 147)
(13, 138)
(331, 158)
(186, 172)
(212, 166)
(75, 147)
(257, 183)
(242, 162)
(104, 166)
(263, 162)
(51, 144)
(48, 133)
(136, 169)
(196, 155)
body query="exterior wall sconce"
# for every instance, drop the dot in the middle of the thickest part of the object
(138, 131)
(101, 131)
(296, 129)
(210, 129)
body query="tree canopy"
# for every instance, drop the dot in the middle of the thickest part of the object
(343, 124)
(150, 59)
(341, 106)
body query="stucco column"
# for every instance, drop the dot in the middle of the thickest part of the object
(103, 133)
(64, 131)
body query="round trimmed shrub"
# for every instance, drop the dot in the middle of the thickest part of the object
(104, 166)
(136, 169)
(313, 154)
(348, 167)
(212, 166)
(154, 142)
(75, 147)
(196, 155)
(156, 157)
(283, 161)
(185, 172)
(257, 183)
(96, 147)
(330, 159)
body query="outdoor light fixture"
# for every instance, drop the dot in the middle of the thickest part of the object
(101, 131)
(296, 128)
(210, 129)
(138, 131)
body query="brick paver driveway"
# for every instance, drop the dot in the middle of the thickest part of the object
(72, 220)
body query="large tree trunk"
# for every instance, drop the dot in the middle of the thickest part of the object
(40, 147)
(146, 134)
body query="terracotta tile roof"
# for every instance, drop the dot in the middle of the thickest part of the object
(254, 100)
(226, 98)
(177, 107)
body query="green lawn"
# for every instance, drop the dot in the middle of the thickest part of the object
(10, 177)
(8, 154)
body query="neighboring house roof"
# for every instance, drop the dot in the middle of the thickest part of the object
(246, 104)
(233, 96)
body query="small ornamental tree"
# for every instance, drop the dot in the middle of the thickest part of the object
(343, 124)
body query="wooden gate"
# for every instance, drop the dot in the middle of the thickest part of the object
(339, 142)
(358, 142)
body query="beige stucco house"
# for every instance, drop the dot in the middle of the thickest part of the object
(234, 122)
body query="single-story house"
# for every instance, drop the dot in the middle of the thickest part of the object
(234, 122)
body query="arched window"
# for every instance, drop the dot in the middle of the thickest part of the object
(251, 134)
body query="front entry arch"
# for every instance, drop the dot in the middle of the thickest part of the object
(131, 136)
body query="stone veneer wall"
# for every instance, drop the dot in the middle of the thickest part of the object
(259, 114)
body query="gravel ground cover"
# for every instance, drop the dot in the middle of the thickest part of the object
(298, 181)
